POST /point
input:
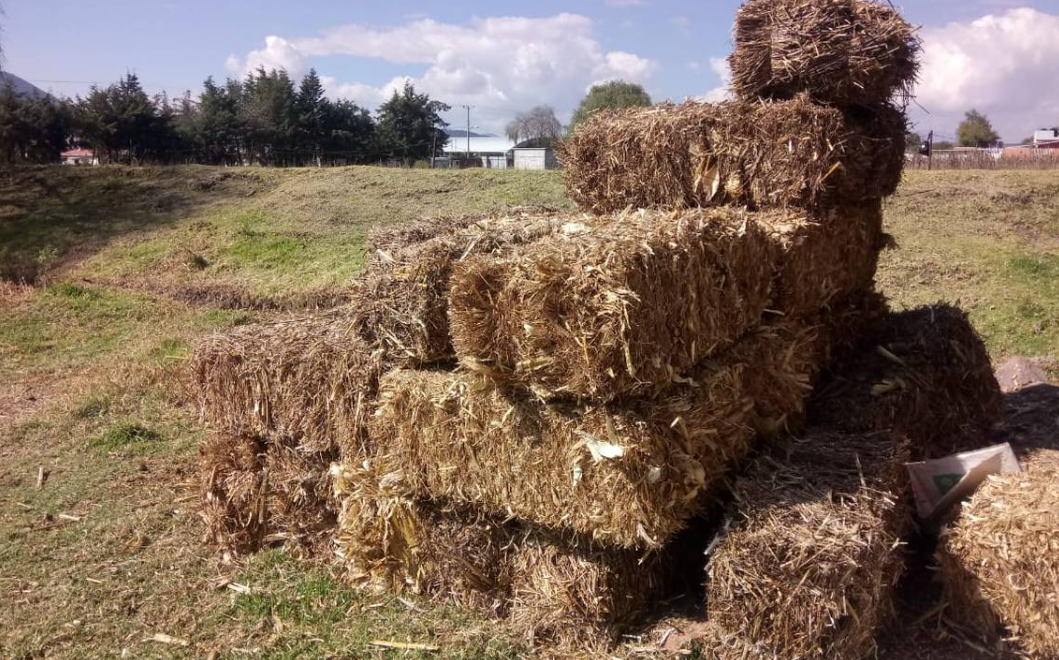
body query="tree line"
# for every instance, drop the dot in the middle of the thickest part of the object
(263, 119)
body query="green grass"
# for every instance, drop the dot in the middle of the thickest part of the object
(100, 343)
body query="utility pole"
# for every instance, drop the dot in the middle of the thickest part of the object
(930, 151)
(468, 107)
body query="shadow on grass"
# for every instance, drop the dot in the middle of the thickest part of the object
(52, 215)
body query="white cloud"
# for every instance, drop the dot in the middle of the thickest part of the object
(720, 68)
(500, 65)
(278, 53)
(1002, 64)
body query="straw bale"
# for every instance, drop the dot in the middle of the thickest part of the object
(630, 474)
(576, 594)
(256, 494)
(306, 380)
(385, 240)
(622, 309)
(400, 303)
(1000, 561)
(843, 52)
(561, 589)
(823, 262)
(389, 542)
(763, 155)
(928, 377)
(808, 564)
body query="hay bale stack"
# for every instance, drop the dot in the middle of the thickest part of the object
(928, 376)
(257, 493)
(1000, 560)
(400, 303)
(763, 155)
(391, 543)
(307, 381)
(622, 309)
(629, 474)
(842, 52)
(808, 566)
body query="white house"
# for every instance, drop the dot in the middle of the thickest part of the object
(1045, 135)
(80, 157)
(535, 158)
(493, 151)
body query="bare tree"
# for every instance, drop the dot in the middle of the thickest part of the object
(540, 123)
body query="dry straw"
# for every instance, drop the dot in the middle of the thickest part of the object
(631, 474)
(562, 591)
(823, 262)
(389, 542)
(306, 381)
(808, 567)
(622, 309)
(763, 155)
(256, 494)
(928, 376)
(845, 52)
(400, 303)
(1000, 560)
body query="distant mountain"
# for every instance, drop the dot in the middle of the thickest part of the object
(21, 86)
(458, 133)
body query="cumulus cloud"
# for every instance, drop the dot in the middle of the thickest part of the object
(278, 53)
(720, 68)
(1001, 64)
(501, 65)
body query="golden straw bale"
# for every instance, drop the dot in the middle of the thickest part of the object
(621, 309)
(1000, 560)
(928, 376)
(629, 473)
(305, 380)
(400, 303)
(824, 262)
(762, 155)
(256, 494)
(843, 52)
(389, 542)
(576, 594)
(808, 565)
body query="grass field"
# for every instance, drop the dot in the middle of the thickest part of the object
(126, 267)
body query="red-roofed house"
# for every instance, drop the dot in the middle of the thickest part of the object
(80, 157)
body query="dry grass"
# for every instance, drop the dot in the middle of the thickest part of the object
(1000, 560)
(624, 308)
(764, 155)
(808, 566)
(928, 376)
(844, 52)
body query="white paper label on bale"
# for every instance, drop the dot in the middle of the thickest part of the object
(939, 484)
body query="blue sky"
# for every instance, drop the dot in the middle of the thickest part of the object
(504, 57)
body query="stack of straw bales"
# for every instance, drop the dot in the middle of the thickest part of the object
(1000, 561)
(531, 414)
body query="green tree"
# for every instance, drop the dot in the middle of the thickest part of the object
(410, 125)
(122, 123)
(32, 130)
(976, 131)
(313, 110)
(913, 141)
(612, 95)
(268, 117)
(349, 132)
